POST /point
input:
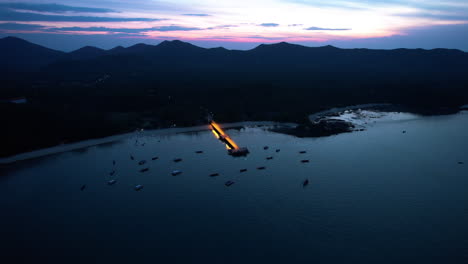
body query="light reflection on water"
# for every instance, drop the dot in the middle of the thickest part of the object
(374, 196)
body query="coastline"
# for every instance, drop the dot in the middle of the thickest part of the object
(319, 124)
(115, 138)
(354, 118)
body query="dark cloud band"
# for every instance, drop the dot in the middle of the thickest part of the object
(269, 25)
(8, 12)
(35, 27)
(19, 27)
(54, 8)
(127, 30)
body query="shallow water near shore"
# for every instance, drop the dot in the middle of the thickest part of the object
(375, 196)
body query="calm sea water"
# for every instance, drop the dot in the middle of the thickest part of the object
(377, 196)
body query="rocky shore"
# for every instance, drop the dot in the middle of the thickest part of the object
(322, 128)
(356, 118)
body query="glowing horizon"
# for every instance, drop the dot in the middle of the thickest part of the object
(235, 21)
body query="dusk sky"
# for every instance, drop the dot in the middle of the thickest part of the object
(238, 24)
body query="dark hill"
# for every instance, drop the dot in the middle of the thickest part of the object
(138, 49)
(151, 86)
(116, 50)
(86, 53)
(283, 72)
(17, 53)
(266, 57)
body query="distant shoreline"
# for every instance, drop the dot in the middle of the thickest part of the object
(330, 122)
(115, 138)
(94, 93)
(284, 128)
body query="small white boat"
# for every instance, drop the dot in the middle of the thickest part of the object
(111, 182)
(176, 172)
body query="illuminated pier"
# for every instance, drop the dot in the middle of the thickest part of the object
(233, 148)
